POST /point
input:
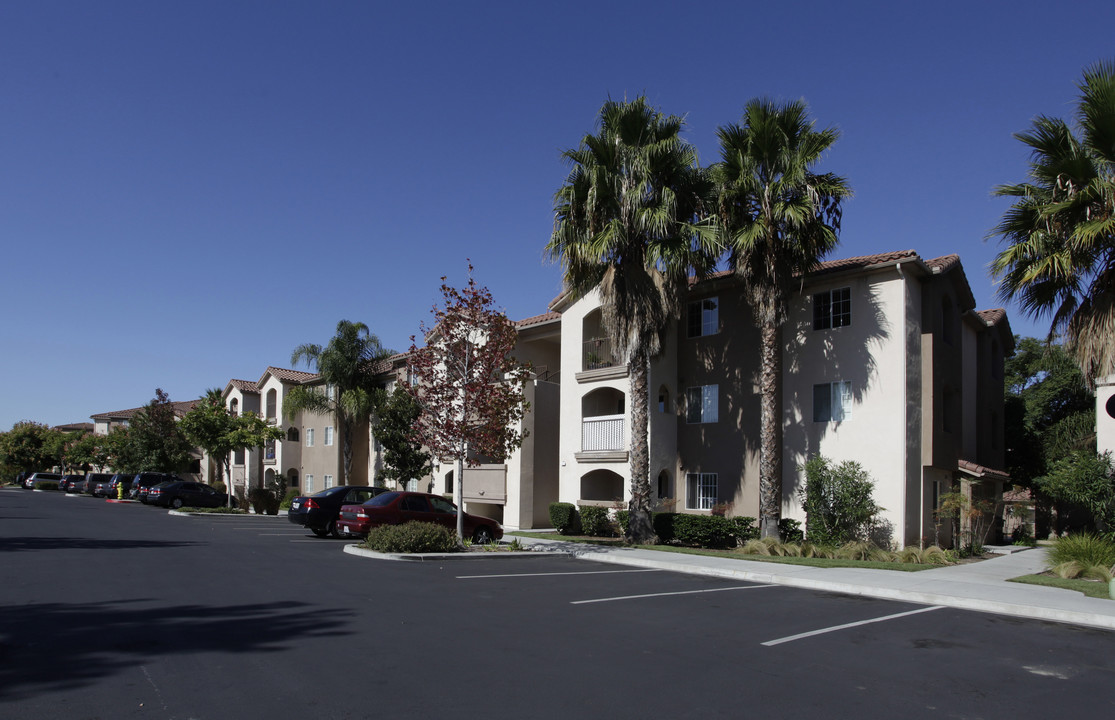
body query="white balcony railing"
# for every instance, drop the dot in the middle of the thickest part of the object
(603, 432)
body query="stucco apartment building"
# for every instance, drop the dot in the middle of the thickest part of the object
(106, 422)
(885, 361)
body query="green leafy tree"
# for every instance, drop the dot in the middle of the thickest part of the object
(404, 458)
(30, 446)
(778, 218)
(838, 501)
(1088, 480)
(157, 441)
(467, 383)
(86, 451)
(629, 224)
(122, 452)
(347, 366)
(1060, 230)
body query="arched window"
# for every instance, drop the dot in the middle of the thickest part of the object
(664, 490)
(234, 407)
(272, 403)
(292, 434)
(663, 400)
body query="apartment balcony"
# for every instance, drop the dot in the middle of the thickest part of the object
(597, 361)
(603, 439)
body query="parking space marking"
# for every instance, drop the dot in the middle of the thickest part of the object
(666, 594)
(845, 626)
(584, 572)
(282, 534)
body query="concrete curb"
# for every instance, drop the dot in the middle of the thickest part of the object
(438, 557)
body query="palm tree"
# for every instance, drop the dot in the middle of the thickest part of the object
(627, 223)
(1060, 258)
(777, 219)
(346, 365)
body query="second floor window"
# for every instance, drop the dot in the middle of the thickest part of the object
(832, 309)
(309, 437)
(832, 402)
(328, 434)
(703, 317)
(702, 404)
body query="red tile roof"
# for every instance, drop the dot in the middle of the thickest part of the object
(992, 317)
(75, 427)
(247, 386)
(181, 407)
(295, 376)
(863, 261)
(980, 471)
(538, 319)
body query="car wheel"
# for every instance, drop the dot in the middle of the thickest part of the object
(483, 535)
(320, 532)
(176, 503)
(333, 529)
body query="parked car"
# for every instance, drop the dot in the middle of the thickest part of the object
(181, 493)
(144, 481)
(319, 511)
(71, 483)
(396, 508)
(91, 480)
(113, 488)
(35, 479)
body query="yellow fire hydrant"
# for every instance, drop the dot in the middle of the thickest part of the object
(119, 491)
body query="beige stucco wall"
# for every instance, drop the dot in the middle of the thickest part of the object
(871, 354)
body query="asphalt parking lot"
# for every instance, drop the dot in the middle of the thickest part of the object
(117, 611)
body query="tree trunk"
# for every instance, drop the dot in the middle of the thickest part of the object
(640, 526)
(346, 450)
(770, 430)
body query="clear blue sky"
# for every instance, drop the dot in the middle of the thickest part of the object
(190, 190)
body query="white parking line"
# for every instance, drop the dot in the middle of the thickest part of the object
(586, 572)
(845, 626)
(665, 594)
(281, 534)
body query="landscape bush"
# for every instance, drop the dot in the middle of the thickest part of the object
(790, 530)
(412, 537)
(565, 518)
(288, 498)
(743, 528)
(595, 521)
(838, 501)
(1082, 555)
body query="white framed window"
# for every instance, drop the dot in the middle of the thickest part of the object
(328, 434)
(412, 485)
(702, 404)
(328, 480)
(700, 491)
(309, 437)
(832, 309)
(330, 391)
(832, 401)
(308, 480)
(703, 317)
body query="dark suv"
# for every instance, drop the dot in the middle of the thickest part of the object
(112, 489)
(144, 481)
(91, 480)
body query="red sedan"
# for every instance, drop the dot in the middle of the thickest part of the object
(396, 508)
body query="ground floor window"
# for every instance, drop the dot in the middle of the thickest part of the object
(309, 483)
(700, 491)
(328, 481)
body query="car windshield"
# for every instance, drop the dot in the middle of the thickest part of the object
(382, 499)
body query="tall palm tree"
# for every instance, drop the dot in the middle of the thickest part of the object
(346, 366)
(627, 222)
(1060, 258)
(777, 219)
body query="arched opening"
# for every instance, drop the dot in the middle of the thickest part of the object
(663, 400)
(234, 407)
(272, 403)
(597, 346)
(665, 487)
(292, 479)
(601, 485)
(449, 483)
(292, 434)
(602, 420)
(268, 477)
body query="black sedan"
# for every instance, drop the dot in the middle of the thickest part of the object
(319, 512)
(181, 493)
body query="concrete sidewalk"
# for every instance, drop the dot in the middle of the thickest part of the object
(977, 586)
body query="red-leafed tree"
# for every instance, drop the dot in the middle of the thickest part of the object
(467, 383)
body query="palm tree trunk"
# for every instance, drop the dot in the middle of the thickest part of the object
(770, 430)
(640, 526)
(346, 449)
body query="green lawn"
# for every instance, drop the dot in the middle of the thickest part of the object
(737, 554)
(1091, 588)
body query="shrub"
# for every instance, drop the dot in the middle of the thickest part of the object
(220, 486)
(837, 500)
(412, 537)
(743, 529)
(621, 520)
(1087, 549)
(288, 498)
(564, 517)
(595, 521)
(707, 531)
(790, 530)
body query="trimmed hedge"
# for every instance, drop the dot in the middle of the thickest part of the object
(412, 537)
(565, 518)
(595, 521)
(710, 531)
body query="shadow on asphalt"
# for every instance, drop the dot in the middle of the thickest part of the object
(53, 646)
(72, 543)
